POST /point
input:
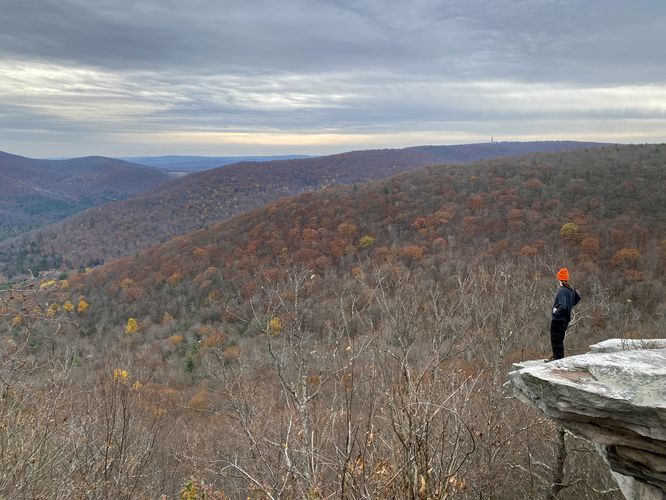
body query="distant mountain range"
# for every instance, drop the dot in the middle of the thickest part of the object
(187, 164)
(36, 192)
(191, 202)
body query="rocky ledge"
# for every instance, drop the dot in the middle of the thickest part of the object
(614, 396)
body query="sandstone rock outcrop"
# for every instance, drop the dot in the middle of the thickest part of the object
(614, 396)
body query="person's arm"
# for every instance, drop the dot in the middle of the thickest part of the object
(576, 297)
(560, 301)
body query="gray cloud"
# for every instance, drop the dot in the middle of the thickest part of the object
(95, 72)
(598, 40)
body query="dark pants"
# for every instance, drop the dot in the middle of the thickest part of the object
(557, 329)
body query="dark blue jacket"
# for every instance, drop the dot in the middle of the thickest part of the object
(565, 300)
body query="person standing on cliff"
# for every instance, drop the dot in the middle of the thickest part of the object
(565, 300)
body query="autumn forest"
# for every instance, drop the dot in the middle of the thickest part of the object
(344, 336)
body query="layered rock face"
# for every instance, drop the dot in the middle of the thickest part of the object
(614, 396)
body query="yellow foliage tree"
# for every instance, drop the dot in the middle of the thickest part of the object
(47, 284)
(132, 326)
(366, 241)
(68, 306)
(569, 231)
(274, 325)
(82, 307)
(120, 375)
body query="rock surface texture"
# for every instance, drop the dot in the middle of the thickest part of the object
(614, 396)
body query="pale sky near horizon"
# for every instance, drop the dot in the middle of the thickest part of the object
(211, 77)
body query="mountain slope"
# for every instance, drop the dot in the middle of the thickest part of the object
(193, 201)
(36, 192)
(601, 211)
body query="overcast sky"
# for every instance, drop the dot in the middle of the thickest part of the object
(222, 77)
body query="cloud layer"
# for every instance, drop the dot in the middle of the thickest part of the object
(203, 76)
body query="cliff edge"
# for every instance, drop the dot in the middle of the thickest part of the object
(613, 396)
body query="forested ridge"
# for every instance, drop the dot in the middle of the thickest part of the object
(601, 210)
(194, 201)
(37, 192)
(351, 342)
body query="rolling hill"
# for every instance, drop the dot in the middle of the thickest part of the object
(36, 192)
(600, 210)
(194, 201)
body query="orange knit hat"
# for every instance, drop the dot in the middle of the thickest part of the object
(563, 274)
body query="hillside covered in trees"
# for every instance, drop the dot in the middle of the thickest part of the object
(351, 342)
(194, 201)
(37, 192)
(601, 210)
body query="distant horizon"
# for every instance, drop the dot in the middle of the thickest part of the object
(297, 153)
